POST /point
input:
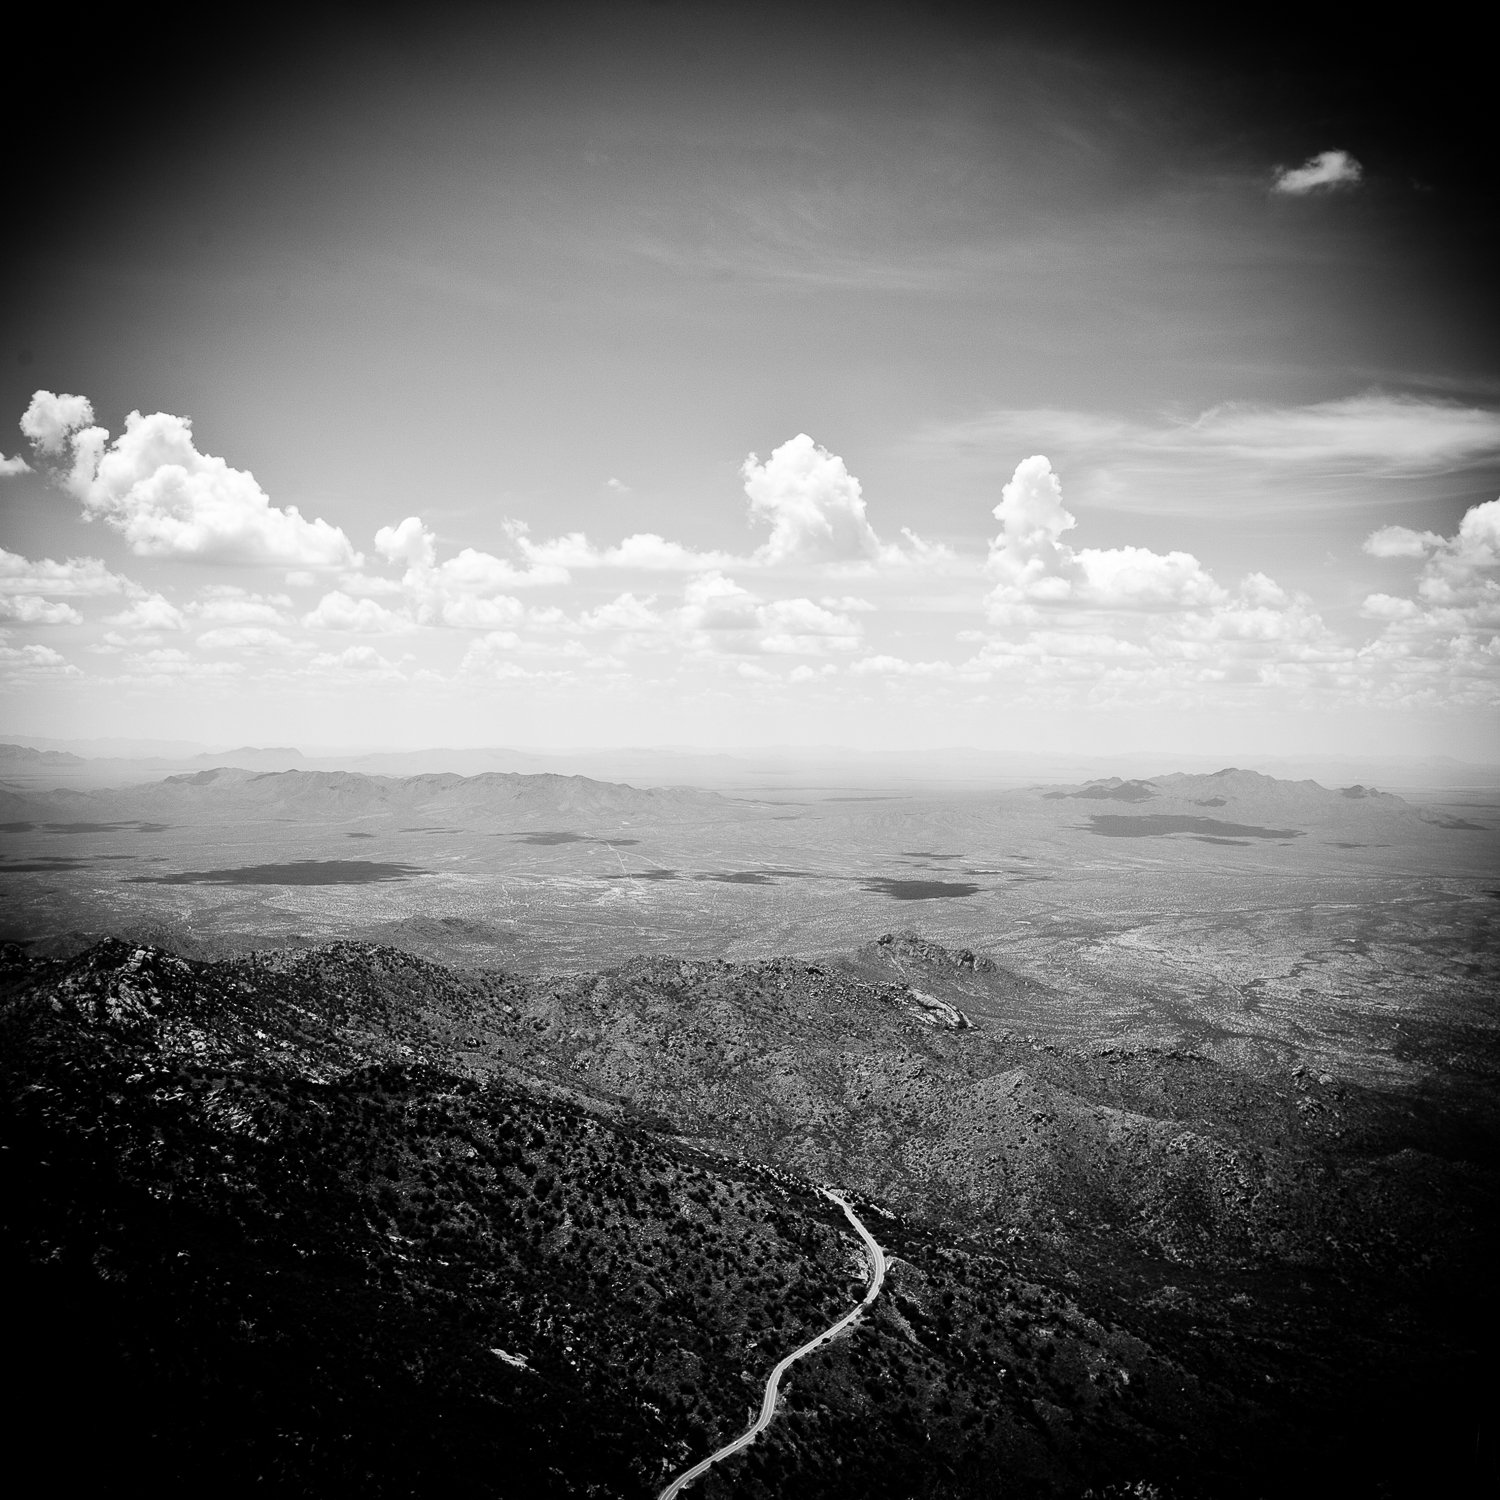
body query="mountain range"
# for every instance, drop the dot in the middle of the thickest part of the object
(343, 1219)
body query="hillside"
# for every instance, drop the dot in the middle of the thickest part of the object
(344, 1219)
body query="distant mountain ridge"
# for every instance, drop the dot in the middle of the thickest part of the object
(24, 754)
(1226, 788)
(339, 794)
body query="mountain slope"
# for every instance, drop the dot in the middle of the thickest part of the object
(344, 1220)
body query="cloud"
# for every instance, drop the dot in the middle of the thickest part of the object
(813, 503)
(245, 639)
(410, 542)
(77, 577)
(222, 605)
(9, 466)
(50, 420)
(1033, 566)
(1456, 608)
(29, 609)
(169, 500)
(616, 487)
(1327, 171)
(482, 612)
(363, 664)
(1237, 454)
(1379, 433)
(22, 664)
(338, 611)
(153, 613)
(1401, 541)
(625, 613)
(718, 615)
(644, 550)
(467, 591)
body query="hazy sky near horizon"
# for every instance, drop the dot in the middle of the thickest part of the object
(645, 373)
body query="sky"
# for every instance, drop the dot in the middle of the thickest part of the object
(654, 374)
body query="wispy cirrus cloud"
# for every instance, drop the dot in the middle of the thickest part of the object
(1256, 457)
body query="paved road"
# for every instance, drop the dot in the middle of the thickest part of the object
(768, 1401)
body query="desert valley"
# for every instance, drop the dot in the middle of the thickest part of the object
(374, 1132)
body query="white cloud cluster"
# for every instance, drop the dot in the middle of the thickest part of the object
(467, 591)
(29, 609)
(1326, 171)
(21, 665)
(1061, 623)
(813, 503)
(410, 542)
(9, 466)
(1456, 609)
(151, 614)
(29, 589)
(365, 616)
(51, 419)
(644, 551)
(77, 577)
(169, 500)
(718, 615)
(807, 495)
(1033, 566)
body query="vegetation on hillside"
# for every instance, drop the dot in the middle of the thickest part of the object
(344, 1221)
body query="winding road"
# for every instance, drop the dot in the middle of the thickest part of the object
(768, 1401)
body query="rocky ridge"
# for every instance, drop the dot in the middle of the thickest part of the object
(303, 1205)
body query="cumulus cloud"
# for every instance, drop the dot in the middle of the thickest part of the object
(224, 605)
(169, 500)
(23, 664)
(154, 613)
(625, 613)
(363, 664)
(77, 577)
(51, 420)
(29, 609)
(466, 591)
(813, 503)
(719, 615)
(1456, 606)
(9, 466)
(645, 551)
(1326, 171)
(1401, 541)
(1034, 566)
(338, 611)
(410, 542)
